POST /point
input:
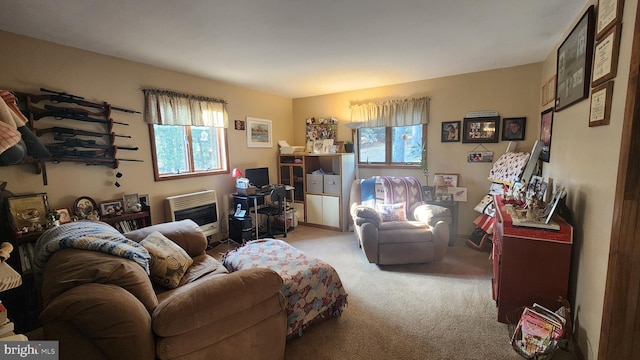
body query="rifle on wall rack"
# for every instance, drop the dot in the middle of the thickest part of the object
(65, 113)
(75, 99)
(92, 144)
(110, 162)
(68, 132)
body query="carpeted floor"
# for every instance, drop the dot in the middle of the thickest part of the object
(429, 311)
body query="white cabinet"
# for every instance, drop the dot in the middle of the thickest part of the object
(326, 205)
(323, 210)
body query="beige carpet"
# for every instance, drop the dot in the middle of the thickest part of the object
(430, 311)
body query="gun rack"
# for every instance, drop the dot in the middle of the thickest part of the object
(74, 129)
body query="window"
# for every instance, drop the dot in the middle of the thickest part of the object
(403, 147)
(391, 132)
(181, 150)
(188, 134)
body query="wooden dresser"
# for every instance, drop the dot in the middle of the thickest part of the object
(529, 265)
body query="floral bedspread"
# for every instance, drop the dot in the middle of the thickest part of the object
(312, 287)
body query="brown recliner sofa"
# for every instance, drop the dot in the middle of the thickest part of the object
(423, 237)
(101, 306)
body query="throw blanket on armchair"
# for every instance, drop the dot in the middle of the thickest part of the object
(88, 235)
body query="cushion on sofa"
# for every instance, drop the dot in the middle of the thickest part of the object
(392, 212)
(185, 233)
(169, 262)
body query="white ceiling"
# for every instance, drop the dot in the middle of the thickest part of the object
(299, 48)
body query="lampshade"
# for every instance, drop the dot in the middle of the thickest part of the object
(9, 278)
(438, 180)
(236, 173)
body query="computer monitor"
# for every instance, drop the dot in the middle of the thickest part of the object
(258, 177)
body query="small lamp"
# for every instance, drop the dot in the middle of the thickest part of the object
(440, 186)
(236, 173)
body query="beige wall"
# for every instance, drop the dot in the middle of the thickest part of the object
(513, 92)
(586, 161)
(32, 64)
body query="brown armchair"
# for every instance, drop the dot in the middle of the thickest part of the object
(420, 238)
(101, 306)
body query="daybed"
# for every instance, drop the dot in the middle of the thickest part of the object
(103, 306)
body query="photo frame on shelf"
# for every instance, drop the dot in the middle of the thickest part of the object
(144, 200)
(450, 131)
(111, 207)
(546, 125)
(427, 193)
(600, 108)
(259, 132)
(458, 193)
(28, 212)
(513, 129)
(85, 208)
(609, 14)
(451, 180)
(573, 63)
(129, 200)
(605, 57)
(481, 130)
(64, 215)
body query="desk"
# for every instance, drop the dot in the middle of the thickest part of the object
(258, 199)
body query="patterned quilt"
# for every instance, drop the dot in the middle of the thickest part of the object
(312, 287)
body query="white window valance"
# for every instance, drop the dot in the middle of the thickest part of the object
(392, 113)
(164, 107)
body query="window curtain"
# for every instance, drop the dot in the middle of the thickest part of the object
(163, 107)
(391, 113)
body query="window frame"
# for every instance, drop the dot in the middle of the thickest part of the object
(388, 148)
(224, 156)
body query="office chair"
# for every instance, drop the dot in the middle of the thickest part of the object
(275, 208)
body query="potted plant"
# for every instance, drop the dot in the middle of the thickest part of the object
(424, 165)
(348, 146)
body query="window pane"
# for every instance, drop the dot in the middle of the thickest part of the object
(406, 144)
(170, 144)
(205, 148)
(372, 144)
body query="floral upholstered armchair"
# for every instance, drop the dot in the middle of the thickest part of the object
(394, 225)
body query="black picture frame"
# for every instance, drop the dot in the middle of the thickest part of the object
(481, 130)
(450, 131)
(513, 129)
(427, 193)
(574, 61)
(546, 127)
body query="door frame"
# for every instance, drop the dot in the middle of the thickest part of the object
(620, 318)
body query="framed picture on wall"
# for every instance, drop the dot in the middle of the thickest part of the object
(546, 124)
(481, 130)
(573, 67)
(258, 132)
(450, 131)
(513, 128)
(609, 13)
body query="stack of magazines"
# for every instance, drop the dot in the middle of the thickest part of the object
(538, 332)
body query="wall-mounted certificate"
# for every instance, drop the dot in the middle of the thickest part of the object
(605, 58)
(601, 105)
(609, 13)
